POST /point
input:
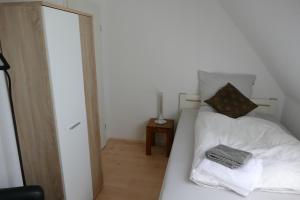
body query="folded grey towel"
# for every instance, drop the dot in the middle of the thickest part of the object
(227, 156)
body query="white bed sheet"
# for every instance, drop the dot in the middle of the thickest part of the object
(177, 185)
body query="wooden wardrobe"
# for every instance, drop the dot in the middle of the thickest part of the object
(51, 53)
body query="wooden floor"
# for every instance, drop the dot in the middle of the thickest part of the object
(129, 174)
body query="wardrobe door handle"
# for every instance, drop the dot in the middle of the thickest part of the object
(74, 126)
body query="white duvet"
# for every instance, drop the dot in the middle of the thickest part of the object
(279, 151)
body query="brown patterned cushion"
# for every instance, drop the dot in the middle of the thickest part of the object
(231, 102)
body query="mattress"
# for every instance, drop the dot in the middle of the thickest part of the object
(177, 186)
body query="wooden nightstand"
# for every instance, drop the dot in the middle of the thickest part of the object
(167, 129)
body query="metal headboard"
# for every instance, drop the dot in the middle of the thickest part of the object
(265, 105)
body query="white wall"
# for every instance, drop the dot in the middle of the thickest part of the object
(10, 172)
(272, 27)
(3, 168)
(290, 116)
(61, 2)
(161, 44)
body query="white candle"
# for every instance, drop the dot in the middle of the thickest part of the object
(161, 103)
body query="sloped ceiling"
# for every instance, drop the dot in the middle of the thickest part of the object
(273, 29)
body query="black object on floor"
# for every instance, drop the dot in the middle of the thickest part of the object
(22, 193)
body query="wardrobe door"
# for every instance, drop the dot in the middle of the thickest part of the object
(65, 66)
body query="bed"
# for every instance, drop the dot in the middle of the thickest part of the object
(176, 185)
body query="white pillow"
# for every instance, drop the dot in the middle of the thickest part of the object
(206, 108)
(210, 83)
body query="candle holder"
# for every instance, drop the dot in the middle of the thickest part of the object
(160, 120)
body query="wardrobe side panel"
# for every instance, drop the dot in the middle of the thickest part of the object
(90, 85)
(22, 39)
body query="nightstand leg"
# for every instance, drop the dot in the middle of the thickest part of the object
(148, 141)
(153, 139)
(169, 143)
